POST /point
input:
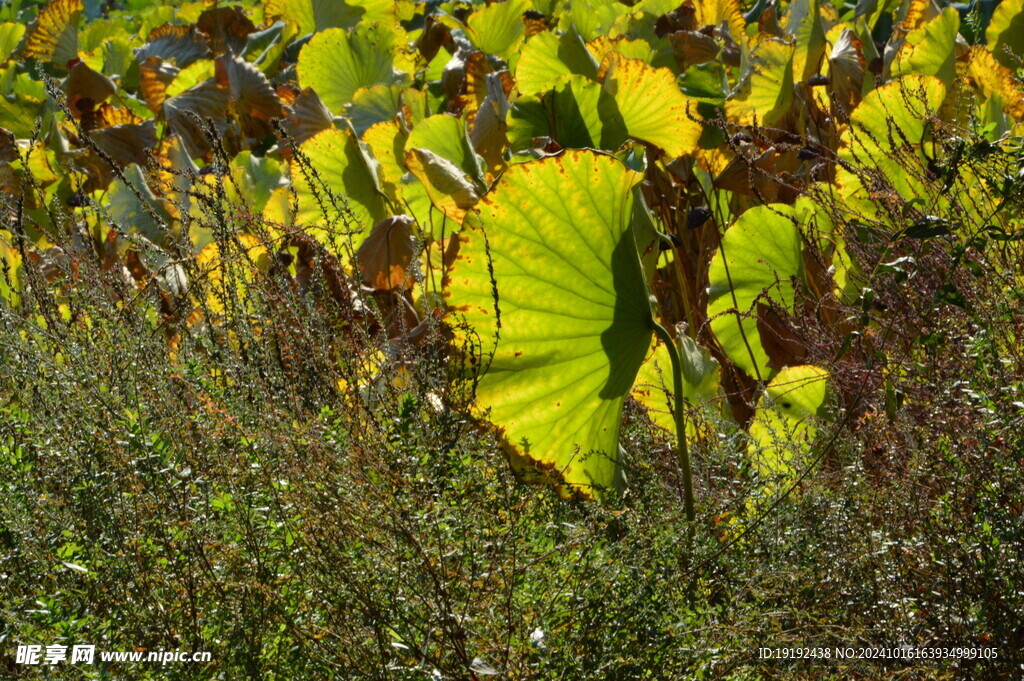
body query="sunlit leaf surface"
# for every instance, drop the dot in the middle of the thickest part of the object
(564, 330)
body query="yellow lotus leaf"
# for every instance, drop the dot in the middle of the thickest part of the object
(652, 107)
(919, 12)
(53, 36)
(766, 95)
(992, 78)
(1005, 33)
(722, 12)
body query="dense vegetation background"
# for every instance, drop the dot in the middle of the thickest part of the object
(261, 303)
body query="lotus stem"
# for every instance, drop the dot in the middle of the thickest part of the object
(682, 449)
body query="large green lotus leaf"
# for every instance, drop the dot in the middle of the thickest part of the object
(931, 49)
(96, 31)
(654, 385)
(151, 18)
(384, 11)
(766, 94)
(549, 8)
(336, 62)
(547, 58)
(343, 201)
(118, 60)
(24, 85)
(446, 136)
(414, 200)
(570, 114)
(759, 258)
(435, 69)
(256, 178)
(1006, 32)
(705, 83)
(787, 417)
(498, 28)
(656, 7)
(906, 104)
(888, 130)
(651, 106)
(419, 104)
(855, 198)
(575, 321)
(641, 23)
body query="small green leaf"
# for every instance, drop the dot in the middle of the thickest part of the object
(375, 104)
(446, 136)
(10, 36)
(498, 28)
(759, 259)
(336, 63)
(766, 94)
(547, 58)
(787, 418)
(570, 114)
(338, 193)
(653, 388)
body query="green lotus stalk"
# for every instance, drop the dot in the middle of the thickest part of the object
(682, 449)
